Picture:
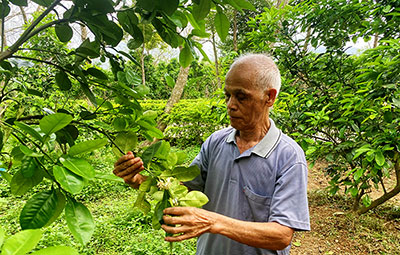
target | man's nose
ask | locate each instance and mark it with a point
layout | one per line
(231, 103)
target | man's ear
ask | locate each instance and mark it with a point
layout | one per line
(270, 96)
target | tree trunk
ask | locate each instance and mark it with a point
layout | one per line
(216, 60)
(3, 36)
(279, 3)
(176, 93)
(142, 66)
(83, 33)
(23, 13)
(307, 40)
(376, 39)
(235, 46)
(390, 194)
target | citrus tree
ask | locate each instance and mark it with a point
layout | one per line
(341, 107)
(57, 104)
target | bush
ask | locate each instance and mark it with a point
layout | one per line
(191, 121)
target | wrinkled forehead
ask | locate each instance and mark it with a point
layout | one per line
(241, 76)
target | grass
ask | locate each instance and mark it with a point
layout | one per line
(123, 229)
(120, 228)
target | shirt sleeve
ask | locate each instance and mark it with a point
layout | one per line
(289, 205)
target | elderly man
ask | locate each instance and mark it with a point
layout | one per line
(254, 175)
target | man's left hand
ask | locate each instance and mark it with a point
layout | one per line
(187, 222)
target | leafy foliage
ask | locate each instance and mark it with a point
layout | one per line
(190, 121)
(340, 107)
(47, 127)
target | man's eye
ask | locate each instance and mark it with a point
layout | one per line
(241, 97)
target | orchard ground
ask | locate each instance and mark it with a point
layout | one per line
(337, 230)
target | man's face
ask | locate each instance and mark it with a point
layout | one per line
(247, 104)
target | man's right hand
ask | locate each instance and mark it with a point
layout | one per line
(128, 167)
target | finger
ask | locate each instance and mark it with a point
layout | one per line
(173, 220)
(130, 170)
(174, 230)
(124, 158)
(180, 237)
(187, 233)
(135, 163)
(177, 211)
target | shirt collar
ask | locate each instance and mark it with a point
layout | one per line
(266, 145)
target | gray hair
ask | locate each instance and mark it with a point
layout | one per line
(267, 73)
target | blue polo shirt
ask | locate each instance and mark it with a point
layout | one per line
(266, 183)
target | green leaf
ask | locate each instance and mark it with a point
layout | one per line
(145, 186)
(20, 185)
(150, 152)
(126, 141)
(163, 150)
(148, 5)
(2, 235)
(20, 2)
(170, 81)
(85, 88)
(103, 6)
(150, 129)
(185, 56)
(142, 203)
(64, 32)
(194, 199)
(108, 177)
(353, 191)
(221, 25)
(242, 4)
(128, 21)
(245, 5)
(97, 73)
(28, 129)
(45, 3)
(79, 166)
(59, 208)
(120, 124)
(6, 176)
(54, 122)
(22, 242)
(201, 10)
(4, 9)
(29, 166)
(361, 150)
(379, 158)
(132, 78)
(30, 153)
(79, 220)
(159, 209)
(366, 200)
(87, 146)
(89, 49)
(178, 191)
(388, 117)
(62, 80)
(68, 180)
(38, 210)
(358, 174)
(56, 250)
(396, 102)
(169, 7)
(185, 174)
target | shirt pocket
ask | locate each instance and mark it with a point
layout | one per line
(257, 207)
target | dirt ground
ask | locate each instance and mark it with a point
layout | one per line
(337, 230)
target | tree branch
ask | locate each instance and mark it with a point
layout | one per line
(27, 33)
